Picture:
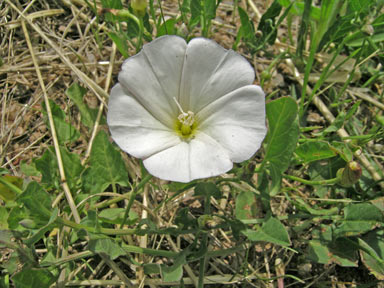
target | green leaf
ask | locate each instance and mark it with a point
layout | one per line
(40, 233)
(167, 28)
(320, 253)
(10, 186)
(37, 201)
(337, 123)
(185, 7)
(267, 24)
(373, 253)
(246, 205)
(33, 278)
(16, 215)
(115, 216)
(282, 136)
(29, 169)
(107, 246)
(76, 93)
(210, 9)
(184, 220)
(151, 268)
(56, 111)
(379, 203)
(72, 167)
(6, 237)
(247, 28)
(358, 5)
(174, 272)
(359, 219)
(272, 231)
(314, 151)
(65, 132)
(121, 43)
(3, 218)
(171, 273)
(195, 8)
(106, 166)
(47, 166)
(207, 188)
(115, 4)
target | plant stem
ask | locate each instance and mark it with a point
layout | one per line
(126, 231)
(118, 199)
(204, 243)
(10, 186)
(133, 196)
(313, 182)
(141, 33)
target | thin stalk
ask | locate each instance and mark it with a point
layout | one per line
(313, 182)
(141, 33)
(133, 196)
(203, 20)
(122, 197)
(204, 243)
(133, 249)
(10, 186)
(117, 232)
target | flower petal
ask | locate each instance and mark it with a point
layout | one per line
(202, 157)
(134, 129)
(153, 75)
(209, 72)
(236, 121)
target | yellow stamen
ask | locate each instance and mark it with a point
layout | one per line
(186, 119)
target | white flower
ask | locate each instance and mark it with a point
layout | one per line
(188, 110)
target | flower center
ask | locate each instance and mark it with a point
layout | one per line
(186, 124)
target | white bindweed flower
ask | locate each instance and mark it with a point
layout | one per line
(188, 110)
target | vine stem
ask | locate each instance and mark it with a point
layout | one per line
(313, 182)
(133, 196)
(204, 243)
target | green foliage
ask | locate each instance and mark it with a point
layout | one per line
(115, 216)
(3, 218)
(372, 252)
(314, 151)
(167, 28)
(121, 41)
(168, 273)
(341, 254)
(65, 131)
(106, 246)
(247, 30)
(246, 205)
(359, 219)
(33, 278)
(202, 12)
(106, 166)
(47, 165)
(267, 29)
(10, 187)
(272, 231)
(282, 137)
(37, 201)
(76, 93)
(207, 190)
